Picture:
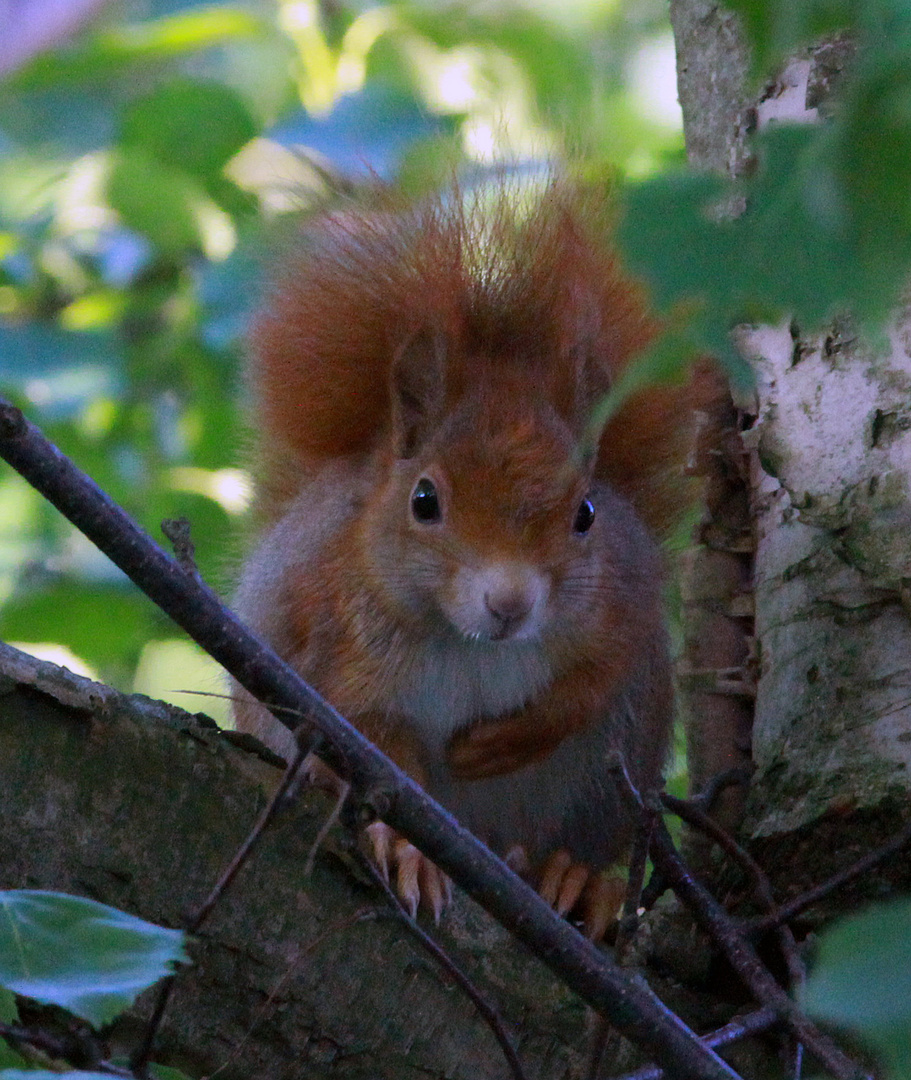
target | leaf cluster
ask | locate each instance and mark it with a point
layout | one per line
(823, 220)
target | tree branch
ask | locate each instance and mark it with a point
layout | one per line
(629, 1005)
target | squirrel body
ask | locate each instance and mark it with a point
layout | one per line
(447, 553)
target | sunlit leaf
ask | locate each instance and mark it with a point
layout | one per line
(105, 625)
(112, 50)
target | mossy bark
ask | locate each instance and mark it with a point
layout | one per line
(141, 806)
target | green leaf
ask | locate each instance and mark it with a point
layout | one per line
(9, 1059)
(156, 200)
(862, 981)
(190, 125)
(109, 52)
(9, 1014)
(106, 624)
(777, 28)
(81, 955)
(166, 1072)
(824, 231)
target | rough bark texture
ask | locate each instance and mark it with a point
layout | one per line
(711, 83)
(139, 805)
(833, 518)
(717, 675)
(829, 458)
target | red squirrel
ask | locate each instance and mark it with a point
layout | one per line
(448, 553)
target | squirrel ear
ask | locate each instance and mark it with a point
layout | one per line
(417, 389)
(587, 392)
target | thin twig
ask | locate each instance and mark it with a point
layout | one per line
(332, 817)
(140, 1059)
(738, 951)
(288, 780)
(632, 1007)
(738, 776)
(487, 1012)
(361, 915)
(741, 955)
(177, 530)
(59, 1048)
(743, 1027)
(792, 908)
(693, 814)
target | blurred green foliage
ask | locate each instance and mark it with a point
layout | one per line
(861, 982)
(826, 228)
(148, 166)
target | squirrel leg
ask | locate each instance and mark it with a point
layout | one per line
(574, 889)
(417, 880)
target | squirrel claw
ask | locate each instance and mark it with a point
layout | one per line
(417, 880)
(571, 887)
(381, 839)
(601, 904)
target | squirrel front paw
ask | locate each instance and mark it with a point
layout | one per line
(418, 881)
(576, 890)
(493, 747)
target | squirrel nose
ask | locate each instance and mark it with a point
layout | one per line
(509, 607)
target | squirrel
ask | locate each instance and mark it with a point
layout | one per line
(449, 552)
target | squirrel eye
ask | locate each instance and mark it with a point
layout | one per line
(585, 516)
(425, 505)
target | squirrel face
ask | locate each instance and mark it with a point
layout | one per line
(487, 596)
(490, 514)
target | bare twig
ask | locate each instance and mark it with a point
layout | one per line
(288, 781)
(739, 776)
(487, 1012)
(743, 1027)
(361, 915)
(177, 530)
(694, 815)
(632, 1007)
(812, 896)
(605, 1036)
(738, 951)
(143, 1054)
(343, 792)
(68, 1048)
(741, 955)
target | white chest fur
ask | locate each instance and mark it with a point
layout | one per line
(452, 682)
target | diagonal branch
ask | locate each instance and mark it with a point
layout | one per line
(629, 1005)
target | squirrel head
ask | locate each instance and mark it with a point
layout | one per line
(485, 514)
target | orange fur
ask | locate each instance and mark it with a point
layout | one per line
(363, 282)
(497, 651)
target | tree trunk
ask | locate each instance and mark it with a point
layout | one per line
(829, 450)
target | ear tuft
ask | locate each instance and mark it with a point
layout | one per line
(417, 390)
